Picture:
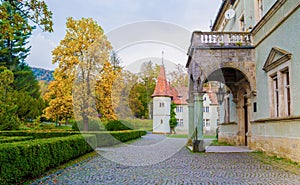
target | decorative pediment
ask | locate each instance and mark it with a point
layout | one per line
(276, 57)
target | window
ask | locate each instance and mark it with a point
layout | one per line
(180, 122)
(275, 95)
(161, 121)
(206, 122)
(281, 94)
(242, 24)
(205, 109)
(161, 104)
(258, 10)
(179, 109)
(287, 92)
(277, 67)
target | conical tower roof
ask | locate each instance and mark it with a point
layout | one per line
(162, 87)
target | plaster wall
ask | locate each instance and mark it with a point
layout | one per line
(185, 116)
(283, 37)
(232, 114)
(161, 114)
(212, 115)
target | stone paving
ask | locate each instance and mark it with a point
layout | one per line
(183, 167)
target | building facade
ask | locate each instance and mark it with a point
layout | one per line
(163, 96)
(253, 50)
(210, 113)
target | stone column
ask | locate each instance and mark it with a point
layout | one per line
(191, 118)
(198, 143)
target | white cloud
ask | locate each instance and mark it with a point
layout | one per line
(40, 55)
(111, 14)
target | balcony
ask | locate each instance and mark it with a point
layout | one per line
(220, 40)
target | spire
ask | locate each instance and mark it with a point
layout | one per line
(162, 58)
(162, 87)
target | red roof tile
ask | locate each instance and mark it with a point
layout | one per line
(180, 95)
(162, 87)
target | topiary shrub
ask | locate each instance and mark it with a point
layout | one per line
(115, 125)
(38, 134)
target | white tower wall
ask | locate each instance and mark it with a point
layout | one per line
(161, 114)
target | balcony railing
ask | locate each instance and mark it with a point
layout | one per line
(221, 39)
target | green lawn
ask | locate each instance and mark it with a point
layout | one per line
(177, 135)
(138, 124)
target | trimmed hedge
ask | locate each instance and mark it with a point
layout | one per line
(116, 137)
(115, 125)
(29, 159)
(9, 139)
(38, 134)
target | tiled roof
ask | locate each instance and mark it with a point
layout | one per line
(211, 92)
(162, 87)
(180, 95)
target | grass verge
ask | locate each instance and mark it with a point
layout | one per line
(177, 136)
(216, 143)
(281, 163)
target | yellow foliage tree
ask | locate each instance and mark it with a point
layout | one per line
(60, 98)
(83, 57)
(107, 93)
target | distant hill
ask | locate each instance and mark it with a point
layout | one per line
(42, 74)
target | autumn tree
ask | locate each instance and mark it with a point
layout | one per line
(140, 97)
(106, 99)
(34, 10)
(59, 98)
(179, 76)
(122, 89)
(82, 56)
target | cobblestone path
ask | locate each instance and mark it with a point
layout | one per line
(183, 167)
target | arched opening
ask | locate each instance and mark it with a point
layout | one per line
(234, 110)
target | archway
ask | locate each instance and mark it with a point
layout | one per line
(235, 128)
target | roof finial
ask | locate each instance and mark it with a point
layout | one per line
(162, 58)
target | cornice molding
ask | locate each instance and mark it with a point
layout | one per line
(268, 16)
(272, 63)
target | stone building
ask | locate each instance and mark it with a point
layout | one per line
(253, 49)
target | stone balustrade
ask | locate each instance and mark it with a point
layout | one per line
(220, 39)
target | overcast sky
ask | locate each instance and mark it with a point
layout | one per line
(179, 18)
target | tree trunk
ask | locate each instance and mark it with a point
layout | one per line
(85, 123)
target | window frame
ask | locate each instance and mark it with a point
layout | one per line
(280, 96)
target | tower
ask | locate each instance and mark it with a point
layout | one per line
(162, 98)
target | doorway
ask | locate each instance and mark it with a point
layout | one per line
(246, 118)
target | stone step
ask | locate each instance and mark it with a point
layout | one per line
(226, 149)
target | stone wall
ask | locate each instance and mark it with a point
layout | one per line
(286, 147)
(228, 133)
(277, 137)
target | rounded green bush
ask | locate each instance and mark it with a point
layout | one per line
(115, 125)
